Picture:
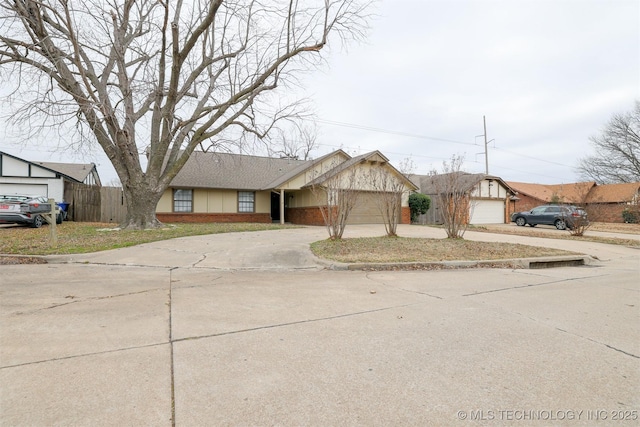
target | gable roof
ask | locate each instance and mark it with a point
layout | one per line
(71, 171)
(371, 156)
(233, 171)
(342, 167)
(77, 171)
(615, 193)
(302, 168)
(429, 184)
(252, 173)
(570, 193)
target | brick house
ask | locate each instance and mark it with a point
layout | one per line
(610, 200)
(224, 187)
(606, 202)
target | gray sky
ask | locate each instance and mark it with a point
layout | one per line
(546, 74)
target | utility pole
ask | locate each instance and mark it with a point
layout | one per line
(486, 147)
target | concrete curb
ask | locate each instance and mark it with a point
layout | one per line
(514, 263)
(521, 263)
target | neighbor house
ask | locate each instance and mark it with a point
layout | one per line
(20, 176)
(488, 196)
(605, 202)
(608, 201)
(224, 187)
(531, 195)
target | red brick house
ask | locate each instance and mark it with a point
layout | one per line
(611, 200)
(606, 201)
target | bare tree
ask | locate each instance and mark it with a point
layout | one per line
(164, 77)
(337, 195)
(617, 157)
(389, 186)
(453, 192)
(297, 143)
(592, 204)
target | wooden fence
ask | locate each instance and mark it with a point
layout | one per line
(434, 214)
(95, 204)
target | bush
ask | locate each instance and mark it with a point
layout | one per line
(630, 217)
(419, 204)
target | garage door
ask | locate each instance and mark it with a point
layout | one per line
(25, 189)
(488, 212)
(366, 210)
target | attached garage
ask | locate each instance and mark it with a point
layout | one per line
(487, 212)
(366, 210)
(488, 195)
(25, 189)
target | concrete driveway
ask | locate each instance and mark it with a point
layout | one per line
(250, 329)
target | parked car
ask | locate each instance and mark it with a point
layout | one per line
(562, 216)
(28, 210)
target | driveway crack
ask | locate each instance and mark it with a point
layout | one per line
(297, 322)
(532, 285)
(599, 343)
(75, 301)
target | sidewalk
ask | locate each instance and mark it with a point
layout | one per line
(234, 330)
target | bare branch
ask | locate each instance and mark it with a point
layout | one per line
(617, 151)
(163, 76)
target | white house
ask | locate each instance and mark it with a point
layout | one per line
(19, 176)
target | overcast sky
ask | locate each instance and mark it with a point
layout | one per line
(546, 74)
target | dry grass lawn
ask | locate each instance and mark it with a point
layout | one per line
(83, 237)
(404, 249)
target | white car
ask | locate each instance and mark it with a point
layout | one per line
(28, 210)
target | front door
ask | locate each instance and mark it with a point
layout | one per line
(275, 207)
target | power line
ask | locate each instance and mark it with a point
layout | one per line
(412, 135)
(392, 132)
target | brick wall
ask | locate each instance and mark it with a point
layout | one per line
(606, 212)
(213, 217)
(406, 215)
(526, 203)
(305, 216)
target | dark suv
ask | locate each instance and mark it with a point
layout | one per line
(562, 216)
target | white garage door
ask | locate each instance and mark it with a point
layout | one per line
(366, 211)
(24, 189)
(488, 212)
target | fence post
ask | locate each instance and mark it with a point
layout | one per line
(53, 234)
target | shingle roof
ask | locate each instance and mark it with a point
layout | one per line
(299, 169)
(569, 193)
(243, 172)
(341, 167)
(77, 171)
(431, 184)
(614, 193)
(233, 171)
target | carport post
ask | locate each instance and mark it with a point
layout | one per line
(282, 206)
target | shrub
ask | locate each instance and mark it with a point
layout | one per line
(419, 204)
(630, 217)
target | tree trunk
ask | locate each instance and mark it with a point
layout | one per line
(141, 201)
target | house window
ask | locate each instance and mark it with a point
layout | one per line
(246, 201)
(183, 200)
